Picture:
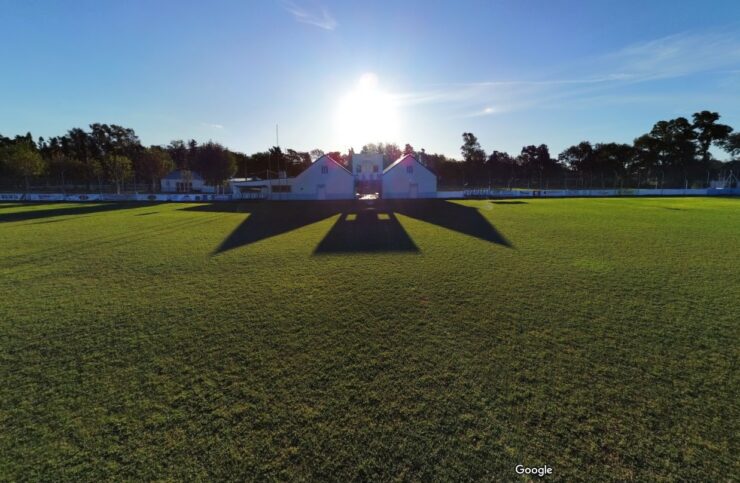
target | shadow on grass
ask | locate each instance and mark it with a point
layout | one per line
(366, 230)
(362, 226)
(268, 219)
(66, 211)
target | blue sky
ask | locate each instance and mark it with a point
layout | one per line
(512, 72)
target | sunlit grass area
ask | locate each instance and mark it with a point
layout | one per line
(413, 340)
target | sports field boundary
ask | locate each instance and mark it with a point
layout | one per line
(449, 195)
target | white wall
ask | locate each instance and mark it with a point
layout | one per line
(371, 166)
(338, 182)
(170, 186)
(397, 180)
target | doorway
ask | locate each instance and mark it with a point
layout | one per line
(413, 190)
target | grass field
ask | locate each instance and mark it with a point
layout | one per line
(418, 341)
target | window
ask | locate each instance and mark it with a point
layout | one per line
(325, 170)
(375, 168)
(409, 169)
(281, 188)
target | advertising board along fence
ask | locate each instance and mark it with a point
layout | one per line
(450, 195)
(496, 193)
(192, 197)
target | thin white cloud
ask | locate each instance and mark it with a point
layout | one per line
(677, 55)
(212, 125)
(480, 90)
(591, 80)
(317, 16)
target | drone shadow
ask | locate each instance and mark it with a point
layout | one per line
(362, 227)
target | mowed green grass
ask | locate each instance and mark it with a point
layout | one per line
(603, 342)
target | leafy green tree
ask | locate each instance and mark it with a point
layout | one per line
(192, 155)
(471, 151)
(242, 164)
(732, 145)
(372, 148)
(112, 139)
(78, 145)
(118, 168)
(296, 161)
(648, 161)
(708, 132)
(61, 165)
(258, 164)
(613, 161)
(315, 154)
(23, 160)
(215, 163)
(675, 148)
(474, 157)
(500, 166)
(153, 164)
(581, 160)
(536, 163)
(347, 158)
(110, 143)
(391, 152)
(178, 151)
(277, 159)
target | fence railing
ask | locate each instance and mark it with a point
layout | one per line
(536, 193)
(469, 194)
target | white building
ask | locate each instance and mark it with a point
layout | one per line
(184, 181)
(326, 179)
(408, 178)
(368, 172)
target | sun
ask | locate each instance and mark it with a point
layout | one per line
(366, 114)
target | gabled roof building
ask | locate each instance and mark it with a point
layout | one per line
(408, 178)
(184, 181)
(327, 179)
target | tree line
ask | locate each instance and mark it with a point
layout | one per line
(111, 157)
(675, 153)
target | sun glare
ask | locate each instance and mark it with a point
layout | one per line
(366, 114)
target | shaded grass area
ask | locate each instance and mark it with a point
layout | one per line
(599, 337)
(362, 226)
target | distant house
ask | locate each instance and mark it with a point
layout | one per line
(184, 181)
(408, 178)
(326, 179)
